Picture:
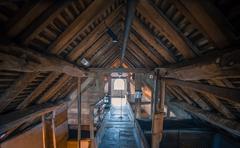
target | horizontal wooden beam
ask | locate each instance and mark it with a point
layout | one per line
(229, 125)
(228, 94)
(218, 65)
(27, 60)
(13, 119)
(110, 70)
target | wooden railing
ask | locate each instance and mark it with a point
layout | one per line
(99, 110)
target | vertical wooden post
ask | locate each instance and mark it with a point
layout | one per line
(92, 127)
(79, 111)
(138, 97)
(152, 102)
(53, 130)
(128, 89)
(44, 131)
(158, 111)
(110, 88)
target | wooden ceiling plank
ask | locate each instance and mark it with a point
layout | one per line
(181, 95)
(96, 48)
(29, 60)
(210, 24)
(131, 61)
(143, 47)
(94, 35)
(98, 45)
(156, 18)
(92, 12)
(40, 88)
(141, 53)
(139, 57)
(195, 97)
(134, 56)
(12, 92)
(52, 91)
(229, 125)
(212, 66)
(109, 62)
(215, 102)
(106, 56)
(13, 119)
(129, 65)
(42, 21)
(101, 52)
(221, 92)
(141, 30)
(179, 5)
(26, 15)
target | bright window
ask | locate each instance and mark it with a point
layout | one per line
(118, 84)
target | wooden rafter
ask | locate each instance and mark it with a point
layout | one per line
(12, 92)
(26, 15)
(157, 19)
(144, 61)
(229, 125)
(132, 55)
(141, 30)
(42, 21)
(33, 61)
(209, 22)
(218, 65)
(13, 119)
(135, 40)
(141, 54)
(38, 90)
(221, 92)
(92, 12)
(95, 34)
(52, 91)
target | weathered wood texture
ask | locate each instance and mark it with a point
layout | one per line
(13, 119)
(218, 65)
(27, 60)
(221, 92)
(219, 121)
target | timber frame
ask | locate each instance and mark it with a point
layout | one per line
(195, 51)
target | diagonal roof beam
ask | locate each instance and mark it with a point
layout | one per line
(157, 19)
(36, 92)
(26, 15)
(92, 12)
(29, 60)
(228, 94)
(135, 40)
(12, 92)
(95, 34)
(142, 31)
(227, 124)
(212, 66)
(209, 19)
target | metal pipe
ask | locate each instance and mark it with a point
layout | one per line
(131, 6)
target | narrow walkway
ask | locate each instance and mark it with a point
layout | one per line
(118, 132)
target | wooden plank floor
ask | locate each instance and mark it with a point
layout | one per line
(118, 132)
